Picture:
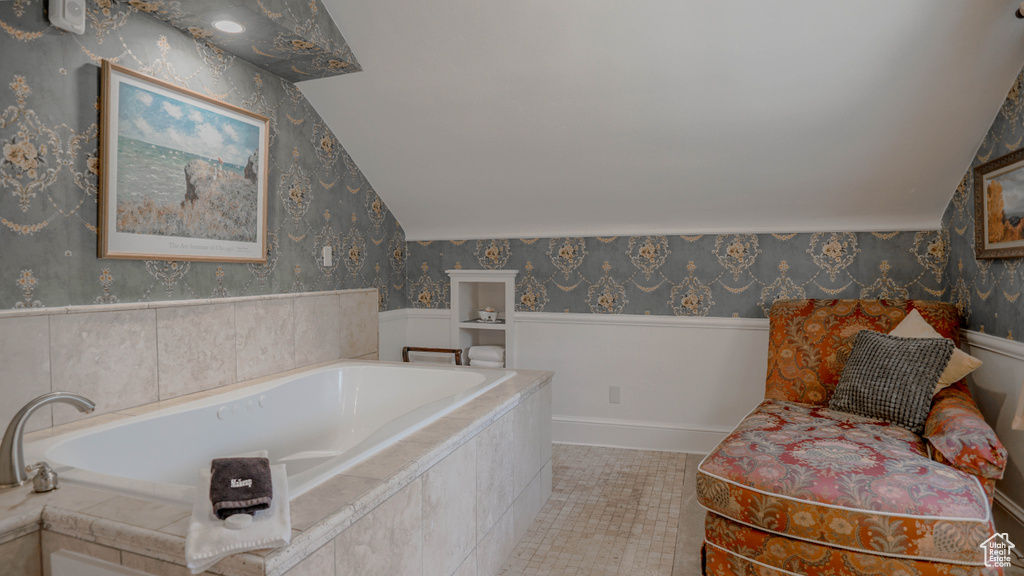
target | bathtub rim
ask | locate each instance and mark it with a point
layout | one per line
(144, 409)
(35, 448)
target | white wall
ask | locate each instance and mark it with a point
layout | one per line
(412, 327)
(684, 382)
(996, 386)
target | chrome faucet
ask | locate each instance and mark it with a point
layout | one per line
(12, 458)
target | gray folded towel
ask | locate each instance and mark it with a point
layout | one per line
(240, 486)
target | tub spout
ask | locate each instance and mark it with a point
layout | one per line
(12, 458)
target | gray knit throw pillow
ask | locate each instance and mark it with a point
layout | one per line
(892, 378)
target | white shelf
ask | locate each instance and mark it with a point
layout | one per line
(474, 290)
(481, 326)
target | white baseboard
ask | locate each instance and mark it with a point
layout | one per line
(1013, 509)
(637, 435)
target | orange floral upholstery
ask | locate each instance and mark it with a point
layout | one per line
(824, 476)
(810, 340)
(961, 437)
(798, 488)
(734, 549)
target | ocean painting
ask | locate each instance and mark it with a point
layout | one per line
(184, 170)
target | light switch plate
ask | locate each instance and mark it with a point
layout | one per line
(328, 255)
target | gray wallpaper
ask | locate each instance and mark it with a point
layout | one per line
(988, 292)
(297, 40)
(49, 88)
(49, 101)
(710, 275)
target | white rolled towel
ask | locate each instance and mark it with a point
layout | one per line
(487, 353)
(208, 539)
(486, 364)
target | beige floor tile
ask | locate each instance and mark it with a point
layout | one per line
(614, 511)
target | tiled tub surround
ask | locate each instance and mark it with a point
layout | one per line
(127, 355)
(452, 498)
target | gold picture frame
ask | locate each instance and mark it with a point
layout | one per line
(183, 176)
(999, 207)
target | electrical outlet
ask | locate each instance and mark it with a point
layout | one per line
(328, 256)
(614, 395)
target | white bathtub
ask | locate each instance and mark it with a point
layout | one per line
(318, 423)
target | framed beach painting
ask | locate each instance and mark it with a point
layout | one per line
(999, 207)
(182, 176)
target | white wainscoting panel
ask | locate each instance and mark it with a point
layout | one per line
(996, 386)
(413, 327)
(684, 383)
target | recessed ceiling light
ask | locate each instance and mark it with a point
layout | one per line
(229, 26)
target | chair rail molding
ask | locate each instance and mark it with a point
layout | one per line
(1004, 346)
(718, 322)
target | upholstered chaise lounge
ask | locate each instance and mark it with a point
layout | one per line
(799, 488)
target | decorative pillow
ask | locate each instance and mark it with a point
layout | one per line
(958, 431)
(960, 365)
(891, 378)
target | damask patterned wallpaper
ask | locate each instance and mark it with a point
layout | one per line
(988, 292)
(724, 275)
(49, 102)
(49, 135)
(741, 274)
(296, 40)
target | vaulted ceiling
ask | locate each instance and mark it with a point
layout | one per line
(535, 118)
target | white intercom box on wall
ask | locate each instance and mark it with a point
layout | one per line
(67, 15)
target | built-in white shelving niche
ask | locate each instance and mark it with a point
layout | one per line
(474, 290)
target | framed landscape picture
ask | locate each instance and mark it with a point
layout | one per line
(999, 207)
(182, 175)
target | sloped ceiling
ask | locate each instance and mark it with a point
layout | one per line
(533, 118)
(294, 39)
